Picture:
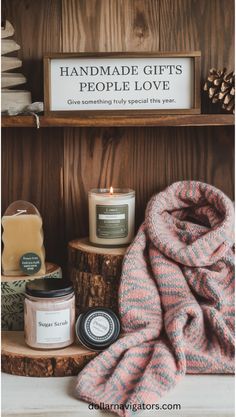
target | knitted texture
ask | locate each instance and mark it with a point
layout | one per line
(176, 300)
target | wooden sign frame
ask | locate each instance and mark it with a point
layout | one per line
(196, 68)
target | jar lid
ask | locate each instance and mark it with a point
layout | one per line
(48, 288)
(97, 328)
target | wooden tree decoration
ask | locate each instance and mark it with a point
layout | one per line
(220, 86)
(13, 101)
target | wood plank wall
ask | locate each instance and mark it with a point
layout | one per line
(54, 168)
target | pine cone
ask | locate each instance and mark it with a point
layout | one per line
(221, 88)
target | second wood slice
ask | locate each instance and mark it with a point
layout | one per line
(19, 359)
(95, 273)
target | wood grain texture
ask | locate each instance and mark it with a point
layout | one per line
(18, 359)
(200, 25)
(95, 274)
(93, 158)
(144, 159)
(37, 27)
(55, 168)
(31, 170)
(110, 25)
(105, 120)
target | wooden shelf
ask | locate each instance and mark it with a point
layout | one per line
(129, 120)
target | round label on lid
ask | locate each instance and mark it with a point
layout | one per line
(97, 328)
(30, 263)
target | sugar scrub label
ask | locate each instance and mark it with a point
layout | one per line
(53, 326)
(30, 263)
(112, 221)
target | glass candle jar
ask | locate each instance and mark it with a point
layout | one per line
(111, 216)
(49, 313)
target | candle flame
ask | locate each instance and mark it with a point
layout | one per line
(111, 190)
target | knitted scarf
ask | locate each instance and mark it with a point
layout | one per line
(176, 301)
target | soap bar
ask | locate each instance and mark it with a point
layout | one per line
(22, 235)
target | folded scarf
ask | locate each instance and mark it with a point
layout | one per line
(176, 300)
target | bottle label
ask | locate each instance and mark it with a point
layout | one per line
(53, 326)
(112, 221)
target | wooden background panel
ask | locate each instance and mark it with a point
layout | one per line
(99, 157)
(145, 159)
(32, 164)
(203, 154)
(55, 168)
(205, 25)
(93, 158)
(110, 25)
(37, 26)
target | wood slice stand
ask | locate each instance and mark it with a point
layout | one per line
(19, 359)
(95, 273)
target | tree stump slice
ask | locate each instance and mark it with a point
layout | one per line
(13, 295)
(19, 359)
(95, 273)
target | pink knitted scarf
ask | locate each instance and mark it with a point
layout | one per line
(176, 300)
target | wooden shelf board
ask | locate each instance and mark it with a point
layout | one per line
(118, 120)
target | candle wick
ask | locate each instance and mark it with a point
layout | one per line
(19, 212)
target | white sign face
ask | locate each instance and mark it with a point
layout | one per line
(128, 83)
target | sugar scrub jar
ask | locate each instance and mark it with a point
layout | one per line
(49, 313)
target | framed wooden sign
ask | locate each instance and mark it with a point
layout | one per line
(122, 82)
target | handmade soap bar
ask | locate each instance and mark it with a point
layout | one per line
(23, 251)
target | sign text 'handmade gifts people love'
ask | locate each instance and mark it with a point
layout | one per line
(116, 82)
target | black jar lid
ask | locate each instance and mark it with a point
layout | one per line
(97, 328)
(48, 288)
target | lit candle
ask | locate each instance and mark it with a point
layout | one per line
(111, 216)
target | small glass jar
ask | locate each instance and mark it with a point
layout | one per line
(49, 313)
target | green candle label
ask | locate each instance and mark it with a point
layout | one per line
(30, 263)
(112, 221)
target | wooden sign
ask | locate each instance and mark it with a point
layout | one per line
(120, 82)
